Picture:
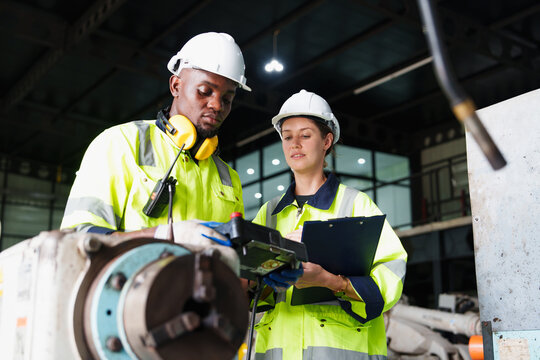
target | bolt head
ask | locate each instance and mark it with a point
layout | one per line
(118, 281)
(113, 344)
(91, 244)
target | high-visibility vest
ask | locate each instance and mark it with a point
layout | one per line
(342, 328)
(120, 169)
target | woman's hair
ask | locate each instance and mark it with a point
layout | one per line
(325, 130)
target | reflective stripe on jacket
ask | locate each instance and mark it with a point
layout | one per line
(343, 328)
(120, 169)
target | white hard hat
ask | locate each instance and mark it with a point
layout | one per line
(308, 104)
(213, 52)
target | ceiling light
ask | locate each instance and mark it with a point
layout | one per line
(250, 171)
(275, 162)
(281, 187)
(258, 195)
(361, 161)
(274, 64)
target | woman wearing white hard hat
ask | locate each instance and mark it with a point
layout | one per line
(350, 325)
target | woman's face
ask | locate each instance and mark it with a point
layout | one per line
(303, 145)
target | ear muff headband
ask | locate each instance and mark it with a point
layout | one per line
(182, 131)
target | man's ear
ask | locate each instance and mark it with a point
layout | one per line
(174, 85)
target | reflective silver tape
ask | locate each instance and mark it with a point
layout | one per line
(398, 267)
(95, 206)
(281, 297)
(271, 354)
(146, 150)
(323, 352)
(271, 221)
(347, 202)
(84, 227)
(223, 171)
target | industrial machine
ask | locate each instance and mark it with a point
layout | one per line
(67, 295)
(416, 333)
(505, 207)
(505, 192)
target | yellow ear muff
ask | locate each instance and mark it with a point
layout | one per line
(184, 131)
(207, 148)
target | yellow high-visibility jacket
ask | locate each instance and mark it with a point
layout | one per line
(120, 169)
(342, 328)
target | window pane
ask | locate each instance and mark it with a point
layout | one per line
(275, 186)
(395, 202)
(248, 167)
(24, 220)
(391, 167)
(252, 201)
(359, 184)
(58, 214)
(273, 159)
(353, 161)
(61, 195)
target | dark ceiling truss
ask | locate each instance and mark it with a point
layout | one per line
(292, 16)
(96, 14)
(336, 50)
(107, 76)
(513, 51)
(494, 41)
(476, 38)
(485, 40)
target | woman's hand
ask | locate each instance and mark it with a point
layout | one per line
(296, 235)
(314, 275)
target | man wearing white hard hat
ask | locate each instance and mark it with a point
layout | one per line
(143, 173)
(346, 322)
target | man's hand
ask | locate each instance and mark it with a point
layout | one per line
(281, 280)
(198, 236)
(193, 232)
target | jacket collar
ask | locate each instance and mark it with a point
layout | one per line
(323, 198)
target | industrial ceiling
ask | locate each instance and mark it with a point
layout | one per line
(70, 69)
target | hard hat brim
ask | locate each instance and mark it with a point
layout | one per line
(278, 118)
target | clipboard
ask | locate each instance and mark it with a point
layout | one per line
(344, 246)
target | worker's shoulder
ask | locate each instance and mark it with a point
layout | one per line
(129, 129)
(352, 192)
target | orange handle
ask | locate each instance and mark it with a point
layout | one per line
(476, 347)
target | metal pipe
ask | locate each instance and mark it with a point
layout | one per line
(393, 75)
(462, 105)
(466, 324)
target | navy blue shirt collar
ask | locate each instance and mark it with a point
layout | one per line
(323, 198)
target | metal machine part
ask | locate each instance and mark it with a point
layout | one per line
(213, 319)
(467, 324)
(462, 105)
(506, 227)
(416, 333)
(111, 298)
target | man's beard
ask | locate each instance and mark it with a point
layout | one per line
(206, 133)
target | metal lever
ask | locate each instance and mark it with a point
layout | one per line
(462, 105)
